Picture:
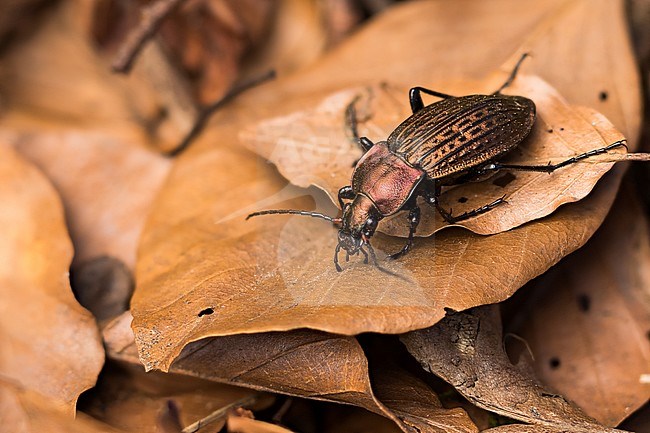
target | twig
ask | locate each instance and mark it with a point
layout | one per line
(206, 112)
(220, 413)
(152, 16)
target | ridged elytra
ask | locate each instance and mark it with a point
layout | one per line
(448, 142)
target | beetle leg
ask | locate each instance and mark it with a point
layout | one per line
(336, 258)
(414, 220)
(431, 196)
(513, 74)
(352, 123)
(472, 213)
(345, 193)
(549, 168)
(365, 255)
(416, 98)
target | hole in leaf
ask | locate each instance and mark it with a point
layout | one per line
(549, 130)
(584, 303)
(504, 180)
(462, 200)
(561, 129)
(206, 312)
(603, 95)
(554, 363)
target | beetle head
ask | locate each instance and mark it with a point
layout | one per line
(359, 222)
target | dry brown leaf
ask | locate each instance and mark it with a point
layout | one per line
(586, 321)
(16, 16)
(50, 344)
(210, 39)
(25, 411)
(241, 424)
(466, 350)
(107, 182)
(639, 421)
(286, 267)
(301, 363)
(130, 400)
(313, 147)
(306, 364)
(198, 255)
(416, 405)
(67, 114)
(524, 428)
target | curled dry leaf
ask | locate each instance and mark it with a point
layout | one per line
(586, 321)
(416, 405)
(314, 147)
(50, 344)
(25, 411)
(466, 350)
(203, 271)
(306, 364)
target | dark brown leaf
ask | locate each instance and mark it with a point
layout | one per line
(466, 350)
(586, 321)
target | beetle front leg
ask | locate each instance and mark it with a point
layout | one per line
(345, 193)
(414, 220)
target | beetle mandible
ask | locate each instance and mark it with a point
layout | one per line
(448, 142)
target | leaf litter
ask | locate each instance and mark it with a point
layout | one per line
(280, 256)
(285, 264)
(465, 349)
(586, 320)
(306, 364)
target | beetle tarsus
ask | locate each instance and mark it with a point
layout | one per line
(549, 168)
(469, 214)
(336, 258)
(365, 256)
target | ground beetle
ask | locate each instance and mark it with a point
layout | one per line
(449, 142)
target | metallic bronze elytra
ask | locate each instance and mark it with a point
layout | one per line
(449, 142)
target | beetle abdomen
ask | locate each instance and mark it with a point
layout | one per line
(454, 134)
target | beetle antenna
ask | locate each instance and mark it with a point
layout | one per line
(296, 212)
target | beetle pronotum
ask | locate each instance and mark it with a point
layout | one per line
(448, 142)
